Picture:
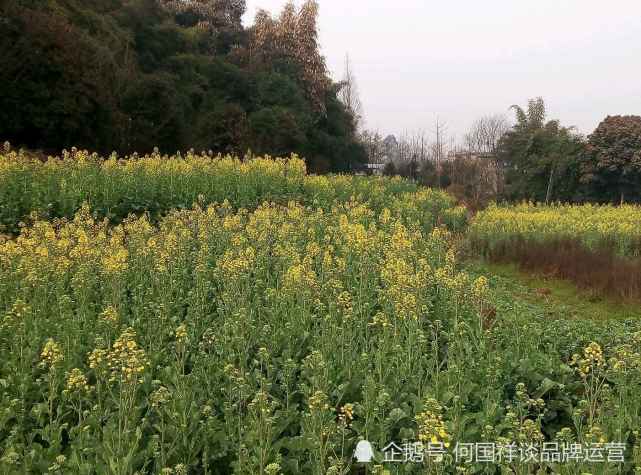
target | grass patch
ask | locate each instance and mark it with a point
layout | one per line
(598, 271)
(555, 298)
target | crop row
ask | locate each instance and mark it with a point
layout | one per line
(596, 227)
(115, 188)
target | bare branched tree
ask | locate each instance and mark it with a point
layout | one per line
(374, 146)
(349, 96)
(485, 134)
(439, 148)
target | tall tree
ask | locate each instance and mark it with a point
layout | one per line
(292, 39)
(486, 133)
(314, 70)
(611, 164)
(374, 146)
(439, 148)
(349, 94)
(539, 158)
(531, 118)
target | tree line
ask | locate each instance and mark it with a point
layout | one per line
(532, 159)
(132, 75)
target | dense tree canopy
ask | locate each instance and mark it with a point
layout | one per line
(544, 161)
(131, 75)
(611, 164)
(539, 158)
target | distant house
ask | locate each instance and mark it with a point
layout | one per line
(380, 153)
(466, 154)
(375, 168)
(370, 169)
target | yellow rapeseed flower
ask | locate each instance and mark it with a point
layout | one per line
(76, 382)
(51, 354)
(126, 360)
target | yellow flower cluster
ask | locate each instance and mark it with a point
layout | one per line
(346, 414)
(77, 382)
(405, 283)
(126, 360)
(262, 404)
(16, 314)
(380, 320)
(318, 401)
(181, 333)
(116, 261)
(522, 429)
(154, 165)
(97, 359)
(51, 354)
(46, 250)
(626, 359)
(592, 225)
(591, 360)
(480, 288)
(524, 398)
(110, 315)
(236, 263)
(529, 431)
(300, 278)
(295, 251)
(431, 427)
(595, 435)
(160, 397)
(180, 469)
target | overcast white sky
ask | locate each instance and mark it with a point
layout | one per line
(459, 59)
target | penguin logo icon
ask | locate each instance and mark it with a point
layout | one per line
(364, 452)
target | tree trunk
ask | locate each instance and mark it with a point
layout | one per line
(549, 193)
